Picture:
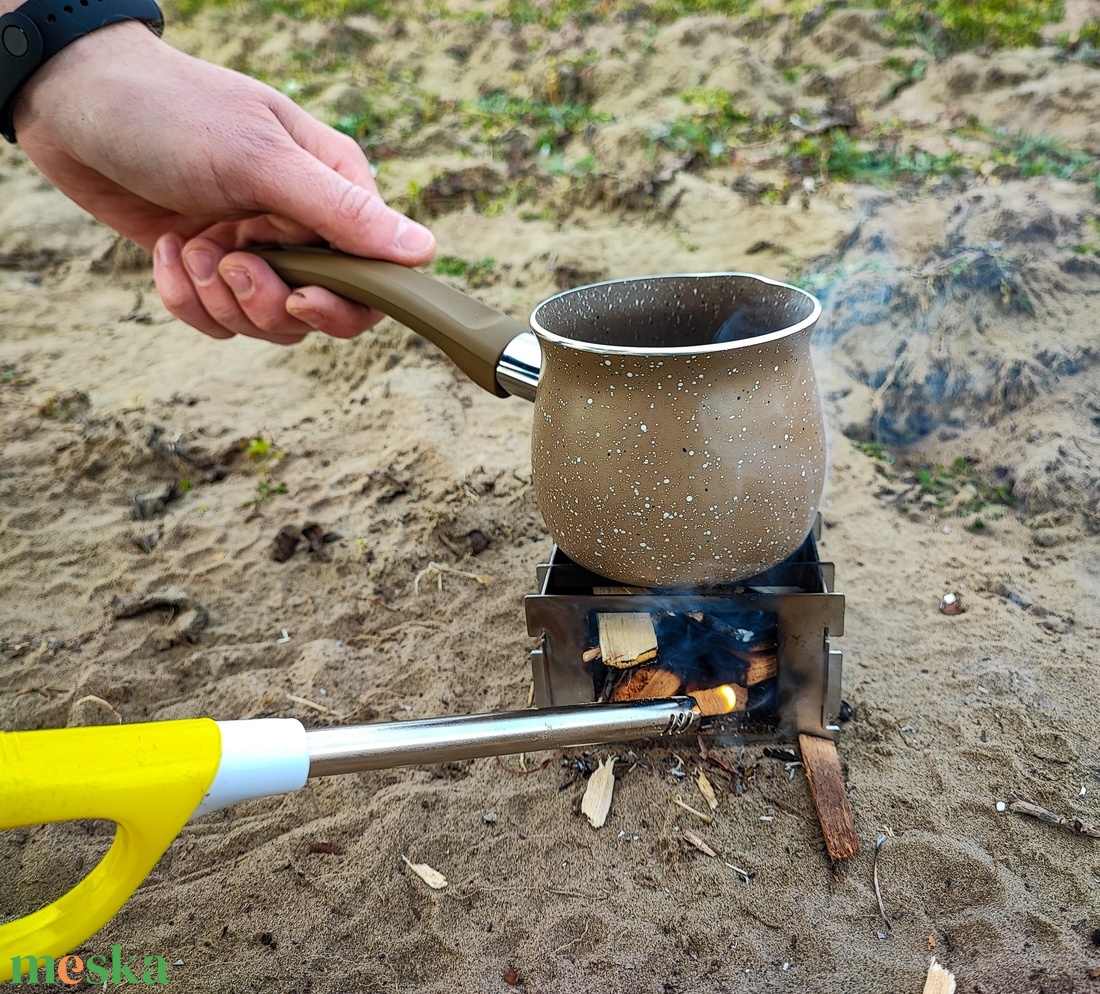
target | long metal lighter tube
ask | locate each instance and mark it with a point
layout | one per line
(440, 740)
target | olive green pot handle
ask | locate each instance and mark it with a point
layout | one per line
(473, 335)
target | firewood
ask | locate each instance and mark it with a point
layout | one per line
(720, 700)
(591, 655)
(645, 682)
(626, 639)
(759, 666)
(819, 756)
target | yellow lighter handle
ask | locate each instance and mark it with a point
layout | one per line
(148, 778)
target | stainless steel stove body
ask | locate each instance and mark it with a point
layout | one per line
(795, 598)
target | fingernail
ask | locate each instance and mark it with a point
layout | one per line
(200, 265)
(239, 281)
(413, 238)
(304, 313)
(168, 251)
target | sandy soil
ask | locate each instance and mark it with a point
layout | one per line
(959, 324)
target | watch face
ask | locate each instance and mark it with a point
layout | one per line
(14, 40)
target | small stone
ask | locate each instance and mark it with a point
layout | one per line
(951, 604)
(490, 817)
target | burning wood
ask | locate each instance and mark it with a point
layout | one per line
(759, 666)
(645, 682)
(642, 655)
(721, 700)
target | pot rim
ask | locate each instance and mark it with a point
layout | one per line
(629, 350)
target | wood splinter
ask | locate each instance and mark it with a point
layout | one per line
(939, 980)
(819, 756)
(626, 639)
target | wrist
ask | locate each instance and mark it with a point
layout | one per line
(47, 98)
(40, 35)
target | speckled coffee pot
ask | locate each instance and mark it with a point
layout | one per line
(678, 435)
(662, 457)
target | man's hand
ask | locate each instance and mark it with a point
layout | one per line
(196, 163)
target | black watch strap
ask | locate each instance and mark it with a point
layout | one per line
(37, 31)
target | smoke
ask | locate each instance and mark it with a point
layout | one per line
(957, 314)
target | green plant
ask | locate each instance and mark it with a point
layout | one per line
(835, 156)
(554, 14)
(497, 113)
(265, 490)
(876, 450)
(1089, 247)
(263, 455)
(557, 166)
(945, 26)
(475, 273)
(960, 487)
(671, 10)
(302, 10)
(258, 449)
(713, 124)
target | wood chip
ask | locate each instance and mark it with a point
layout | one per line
(707, 790)
(692, 839)
(596, 802)
(701, 815)
(432, 877)
(830, 795)
(646, 682)
(939, 980)
(626, 639)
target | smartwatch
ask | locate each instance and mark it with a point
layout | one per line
(37, 31)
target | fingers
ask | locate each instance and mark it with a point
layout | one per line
(225, 294)
(177, 291)
(325, 311)
(327, 187)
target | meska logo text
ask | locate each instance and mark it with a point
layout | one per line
(71, 970)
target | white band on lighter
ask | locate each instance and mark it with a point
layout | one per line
(260, 757)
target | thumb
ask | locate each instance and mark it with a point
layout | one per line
(322, 181)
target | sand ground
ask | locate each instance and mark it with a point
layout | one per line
(959, 324)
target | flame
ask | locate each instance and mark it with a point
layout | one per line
(720, 700)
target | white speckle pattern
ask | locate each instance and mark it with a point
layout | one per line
(722, 478)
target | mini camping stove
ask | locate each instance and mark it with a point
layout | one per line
(791, 607)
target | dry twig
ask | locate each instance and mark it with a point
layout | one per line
(1022, 807)
(701, 815)
(438, 569)
(305, 702)
(874, 876)
(692, 839)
